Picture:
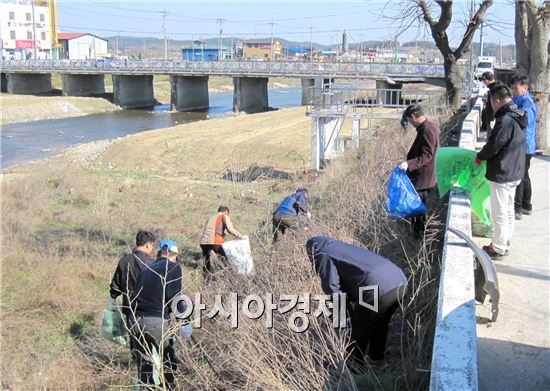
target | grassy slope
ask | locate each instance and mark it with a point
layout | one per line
(75, 221)
(68, 219)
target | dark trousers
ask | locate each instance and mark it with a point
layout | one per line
(522, 199)
(282, 223)
(208, 266)
(419, 222)
(369, 329)
(152, 332)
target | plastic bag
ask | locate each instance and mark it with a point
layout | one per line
(403, 200)
(113, 326)
(455, 167)
(239, 256)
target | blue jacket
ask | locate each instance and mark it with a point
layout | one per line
(526, 103)
(344, 267)
(293, 204)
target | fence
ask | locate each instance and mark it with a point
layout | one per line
(260, 68)
(454, 360)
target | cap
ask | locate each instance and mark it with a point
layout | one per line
(487, 76)
(170, 244)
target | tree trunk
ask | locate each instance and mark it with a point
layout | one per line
(453, 77)
(533, 60)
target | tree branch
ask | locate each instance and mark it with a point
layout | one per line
(472, 27)
(426, 13)
(446, 15)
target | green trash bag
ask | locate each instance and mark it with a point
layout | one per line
(113, 326)
(456, 166)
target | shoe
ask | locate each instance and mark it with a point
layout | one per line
(519, 216)
(526, 212)
(492, 253)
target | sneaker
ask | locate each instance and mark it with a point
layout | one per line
(526, 212)
(492, 253)
(519, 216)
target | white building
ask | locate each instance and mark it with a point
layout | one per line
(82, 46)
(19, 38)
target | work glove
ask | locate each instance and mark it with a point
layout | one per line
(186, 330)
(404, 166)
(245, 237)
(308, 214)
(477, 161)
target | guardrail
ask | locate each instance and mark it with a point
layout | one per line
(260, 68)
(339, 99)
(454, 359)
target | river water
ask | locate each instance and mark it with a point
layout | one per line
(39, 139)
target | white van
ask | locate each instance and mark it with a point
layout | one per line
(484, 64)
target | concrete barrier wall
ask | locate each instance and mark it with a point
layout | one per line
(454, 360)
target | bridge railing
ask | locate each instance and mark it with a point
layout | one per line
(338, 99)
(289, 68)
(454, 358)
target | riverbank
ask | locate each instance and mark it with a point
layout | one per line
(67, 219)
(26, 108)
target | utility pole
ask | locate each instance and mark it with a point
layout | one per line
(481, 39)
(118, 43)
(33, 32)
(361, 48)
(271, 56)
(220, 22)
(499, 51)
(164, 33)
(310, 44)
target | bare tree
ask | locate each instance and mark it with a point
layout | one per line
(423, 10)
(533, 58)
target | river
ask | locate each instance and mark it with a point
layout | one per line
(26, 141)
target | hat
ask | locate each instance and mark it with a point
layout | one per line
(487, 76)
(170, 244)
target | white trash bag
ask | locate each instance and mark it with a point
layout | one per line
(239, 256)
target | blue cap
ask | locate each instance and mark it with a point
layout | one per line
(172, 246)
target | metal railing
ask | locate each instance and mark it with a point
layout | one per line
(340, 100)
(260, 68)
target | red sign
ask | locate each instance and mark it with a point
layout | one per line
(24, 44)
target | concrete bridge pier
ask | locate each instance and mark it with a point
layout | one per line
(387, 98)
(28, 83)
(133, 91)
(83, 85)
(3, 83)
(189, 93)
(250, 94)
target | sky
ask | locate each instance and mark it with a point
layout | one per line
(321, 21)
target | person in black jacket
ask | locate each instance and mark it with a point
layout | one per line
(487, 114)
(127, 272)
(505, 156)
(420, 163)
(158, 284)
(345, 268)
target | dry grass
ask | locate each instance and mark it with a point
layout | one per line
(64, 227)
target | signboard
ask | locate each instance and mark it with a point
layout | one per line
(24, 44)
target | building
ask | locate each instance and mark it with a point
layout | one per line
(261, 50)
(205, 54)
(82, 46)
(27, 31)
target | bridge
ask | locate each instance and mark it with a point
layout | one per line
(133, 80)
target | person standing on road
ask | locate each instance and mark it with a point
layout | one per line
(487, 114)
(523, 100)
(286, 215)
(213, 237)
(349, 269)
(127, 273)
(420, 163)
(504, 153)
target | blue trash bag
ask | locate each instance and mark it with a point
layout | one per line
(403, 200)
